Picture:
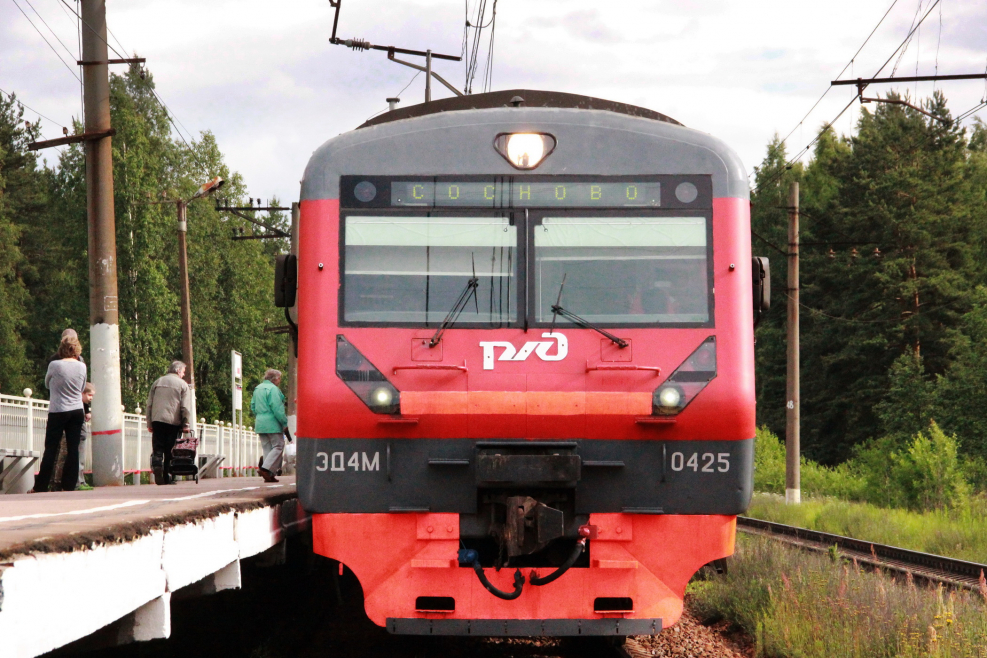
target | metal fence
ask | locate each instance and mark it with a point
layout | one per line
(23, 421)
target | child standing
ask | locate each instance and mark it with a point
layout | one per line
(87, 399)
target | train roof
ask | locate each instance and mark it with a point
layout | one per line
(595, 137)
(509, 98)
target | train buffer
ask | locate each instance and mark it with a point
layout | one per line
(101, 566)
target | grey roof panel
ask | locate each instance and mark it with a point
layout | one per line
(508, 98)
(593, 142)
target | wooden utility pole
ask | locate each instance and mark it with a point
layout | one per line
(793, 491)
(104, 336)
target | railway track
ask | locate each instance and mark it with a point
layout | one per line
(933, 568)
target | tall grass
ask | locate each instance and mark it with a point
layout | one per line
(960, 533)
(801, 604)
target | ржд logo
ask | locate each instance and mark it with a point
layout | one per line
(539, 347)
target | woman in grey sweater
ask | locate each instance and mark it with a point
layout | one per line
(66, 379)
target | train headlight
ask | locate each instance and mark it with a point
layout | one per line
(382, 397)
(364, 379)
(524, 150)
(688, 380)
(669, 397)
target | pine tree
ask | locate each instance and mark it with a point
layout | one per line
(895, 202)
(21, 196)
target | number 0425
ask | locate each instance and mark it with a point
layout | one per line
(705, 462)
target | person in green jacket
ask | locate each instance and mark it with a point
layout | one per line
(267, 405)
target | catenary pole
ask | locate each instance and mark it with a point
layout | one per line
(186, 312)
(793, 491)
(428, 76)
(104, 331)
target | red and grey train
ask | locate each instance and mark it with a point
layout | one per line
(525, 398)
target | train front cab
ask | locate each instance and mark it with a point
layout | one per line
(540, 378)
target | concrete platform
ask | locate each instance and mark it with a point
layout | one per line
(73, 563)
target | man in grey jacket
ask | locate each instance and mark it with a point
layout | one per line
(169, 412)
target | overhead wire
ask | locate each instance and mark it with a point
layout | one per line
(938, 43)
(973, 110)
(908, 39)
(53, 33)
(848, 65)
(94, 30)
(473, 50)
(819, 135)
(28, 107)
(905, 41)
(398, 95)
(41, 34)
(77, 27)
(67, 15)
(168, 113)
(488, 68)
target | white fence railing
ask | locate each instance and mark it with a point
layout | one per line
(23, 421)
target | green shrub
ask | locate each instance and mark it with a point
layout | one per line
(925, 473)
(929, 473)
(769, 462)
(769, 471)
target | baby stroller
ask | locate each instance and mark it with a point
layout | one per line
(183, 456)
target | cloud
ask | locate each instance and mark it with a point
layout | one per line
(588, 26)
(263, 77)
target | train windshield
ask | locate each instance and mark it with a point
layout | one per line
(623, 270)
(412, 270)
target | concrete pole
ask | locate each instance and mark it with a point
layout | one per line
(793, 487)
(428, 76)
(186, 305)
(104, 330)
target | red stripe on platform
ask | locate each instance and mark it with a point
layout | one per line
(107, 432)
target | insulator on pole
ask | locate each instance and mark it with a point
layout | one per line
(357, 44)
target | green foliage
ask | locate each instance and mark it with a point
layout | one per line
(923, 472)
(914, 188)
(44, 262)
(769, 462)
(963, 386)
(928, 473)
(769, 471)
(20, 195)
(796, 603)
(908, 405)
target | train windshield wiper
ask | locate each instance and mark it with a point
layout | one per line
(557, 310)
(457, 308)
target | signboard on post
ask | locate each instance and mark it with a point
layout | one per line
(236, 372)
(237, 368)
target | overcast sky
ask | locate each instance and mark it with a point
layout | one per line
(263, 78)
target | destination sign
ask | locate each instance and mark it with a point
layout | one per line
(501, 193)
(664, 191)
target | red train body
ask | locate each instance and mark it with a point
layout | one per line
(559, 425)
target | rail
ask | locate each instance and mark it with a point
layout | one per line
(23, 421)
(935, 568)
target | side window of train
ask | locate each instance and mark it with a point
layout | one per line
(761, 272)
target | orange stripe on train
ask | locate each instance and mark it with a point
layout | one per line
(531, 403)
